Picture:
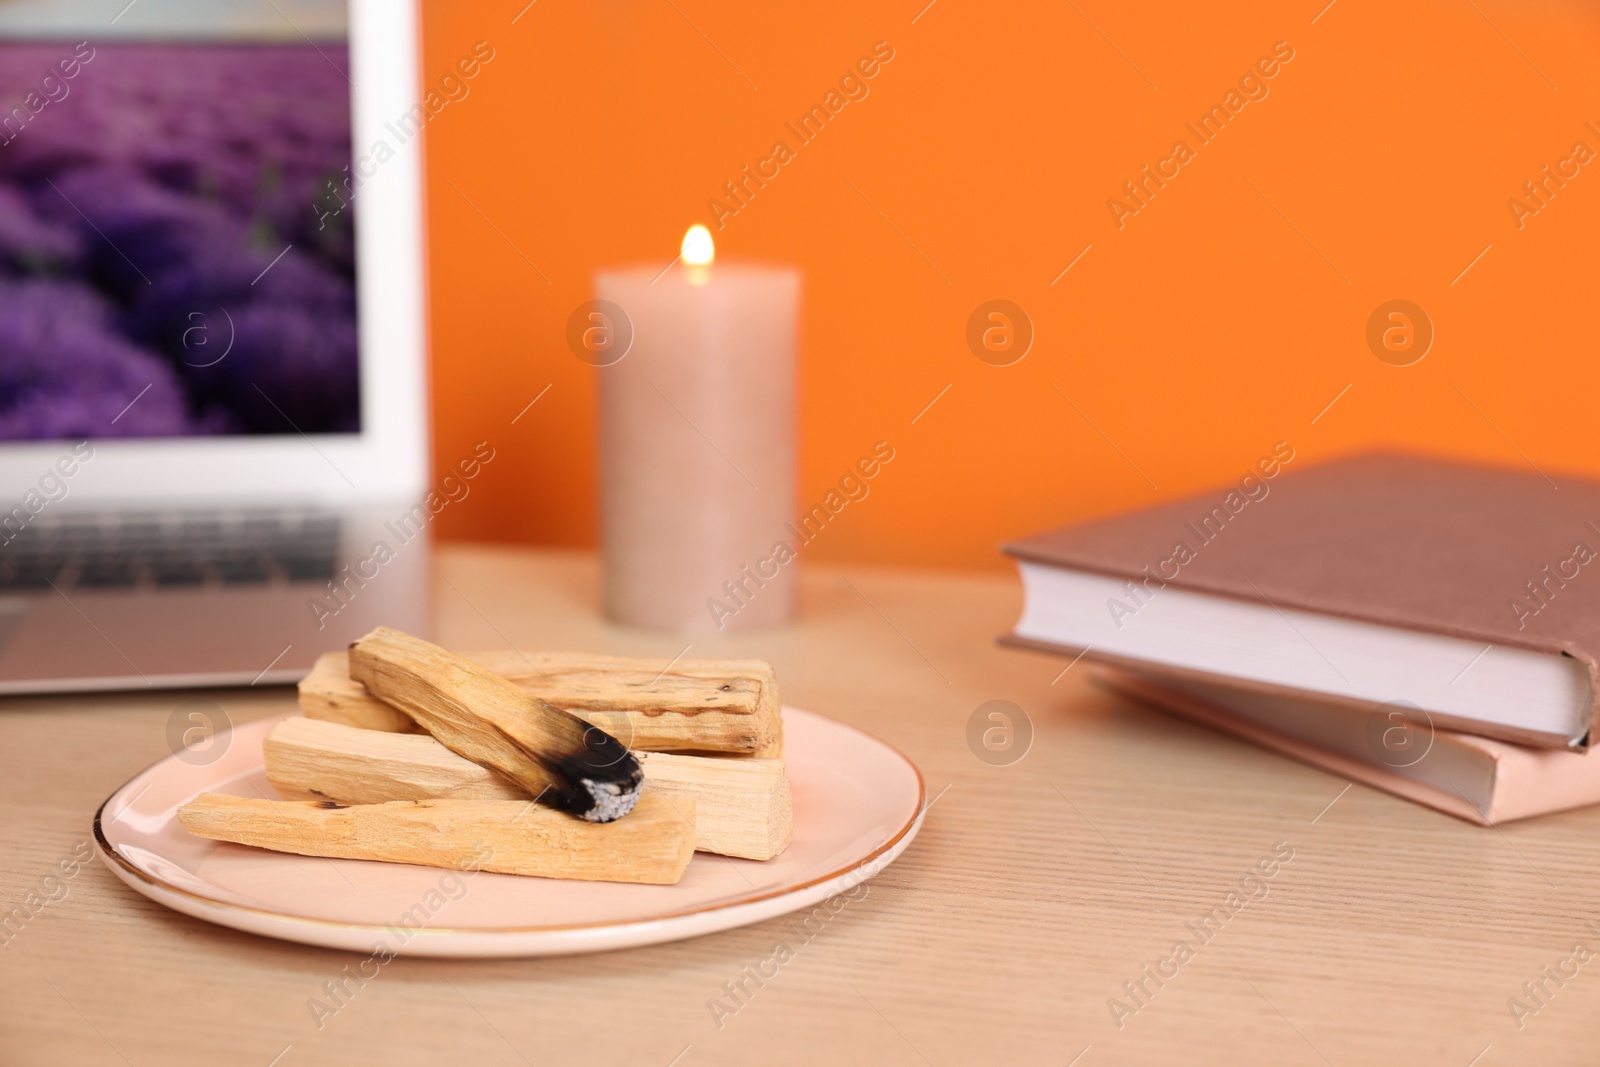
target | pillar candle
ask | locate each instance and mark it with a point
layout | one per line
(697, 443)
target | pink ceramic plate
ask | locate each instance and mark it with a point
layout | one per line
(857, 805)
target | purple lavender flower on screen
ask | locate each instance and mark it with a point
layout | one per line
(159, 189)
(287, 327)
(290, 369)
(29, 244)
(134, 230)
(234, 276)
(64, 373)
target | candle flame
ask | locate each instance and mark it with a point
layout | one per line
(698, 249)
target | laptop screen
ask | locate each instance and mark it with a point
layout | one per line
(177, 219)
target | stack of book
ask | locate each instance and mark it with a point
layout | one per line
(1425, 627)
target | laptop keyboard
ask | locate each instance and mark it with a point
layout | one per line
(192, 549)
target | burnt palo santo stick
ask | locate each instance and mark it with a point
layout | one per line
(742, 806)
(652, 705)
(507, 836)
(558, 758)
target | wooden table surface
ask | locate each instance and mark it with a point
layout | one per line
(1036, 889)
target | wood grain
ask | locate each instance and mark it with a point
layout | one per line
(559, 759)
(682, 705)
(1036, 888)
(742, 805)
(651, 846)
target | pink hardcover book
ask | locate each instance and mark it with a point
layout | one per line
(1469, 592)
(1391, 747)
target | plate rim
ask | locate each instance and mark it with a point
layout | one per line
(129, 873)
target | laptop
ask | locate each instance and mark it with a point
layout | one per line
(213, 438)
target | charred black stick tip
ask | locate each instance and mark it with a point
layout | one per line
(599, 783)
(592, 799)
(602, 750)
(599, 789)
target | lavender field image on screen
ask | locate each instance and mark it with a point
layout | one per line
(176, 241)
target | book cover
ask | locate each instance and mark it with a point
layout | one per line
(1478, 779)
(1500, 557)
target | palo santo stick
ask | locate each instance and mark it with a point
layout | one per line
(650, 705)
(327, 692)
(558, 758)
(509, 836)
(742, 806)
(308, 759)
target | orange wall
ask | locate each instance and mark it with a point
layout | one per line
(1211, 325)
